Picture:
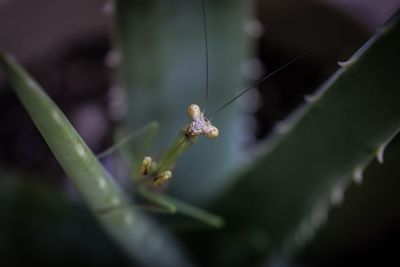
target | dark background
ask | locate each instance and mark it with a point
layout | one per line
(66, 45)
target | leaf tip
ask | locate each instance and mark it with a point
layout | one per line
(380, 153)
(281, 127)
(381, 148)
(311, 98)
(346, 63)
(358, 174)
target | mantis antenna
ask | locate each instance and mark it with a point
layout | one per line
(269, 75)
(266, 77)
(203, 5)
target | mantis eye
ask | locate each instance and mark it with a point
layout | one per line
(194, 111)
(213, 132)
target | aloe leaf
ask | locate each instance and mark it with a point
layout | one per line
(140, 237)
(366, 223)
(35, 217)
(311, 158)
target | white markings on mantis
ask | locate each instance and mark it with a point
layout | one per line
(200, 125)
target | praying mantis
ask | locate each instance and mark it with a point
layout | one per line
(199, 125)
(159, 173)
(151, 174)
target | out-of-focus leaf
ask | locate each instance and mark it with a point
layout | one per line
(276, 205)
(42, 225)
(366, 223)
(140, 237)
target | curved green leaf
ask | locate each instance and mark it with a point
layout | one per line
(365, 224)
(276, 204)
(141, 238)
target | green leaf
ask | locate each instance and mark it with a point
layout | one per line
(36, 225)
(307, 164)
(140, 237)
(366, 223)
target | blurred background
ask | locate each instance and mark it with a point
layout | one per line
(68, 46)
